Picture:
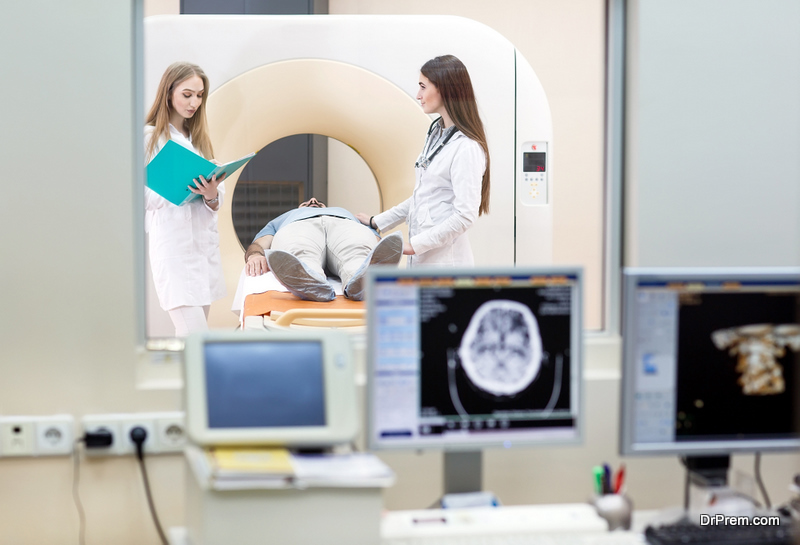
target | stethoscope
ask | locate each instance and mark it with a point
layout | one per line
(426, 161)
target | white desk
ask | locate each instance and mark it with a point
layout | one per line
(573, 524)
(577, 524)
(346, 514)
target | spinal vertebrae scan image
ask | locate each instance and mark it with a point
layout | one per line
(501, 350)
(758, 347)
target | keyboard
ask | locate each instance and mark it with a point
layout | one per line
(558, 524)
(684, 533)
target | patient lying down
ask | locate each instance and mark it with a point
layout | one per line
(297, 247)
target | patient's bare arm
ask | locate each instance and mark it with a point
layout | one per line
(255, 262)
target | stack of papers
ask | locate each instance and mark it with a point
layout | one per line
(341, 470)
(232, 469)
(259, 468)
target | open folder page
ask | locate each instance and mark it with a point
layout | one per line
(174, 168)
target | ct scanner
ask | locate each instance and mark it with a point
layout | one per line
(354, 78)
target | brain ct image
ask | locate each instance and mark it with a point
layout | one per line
(501, 350)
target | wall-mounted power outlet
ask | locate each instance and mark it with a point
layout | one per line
(171, 432)
(36, 435)
(166, 432)
(139, 421)
(98, 423)
(55, 435)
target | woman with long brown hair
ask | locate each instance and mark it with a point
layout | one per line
(183, 240)
(452, 187)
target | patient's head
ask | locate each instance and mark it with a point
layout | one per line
(313, 203)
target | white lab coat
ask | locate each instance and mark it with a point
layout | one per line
(443, 206)
(183, 243)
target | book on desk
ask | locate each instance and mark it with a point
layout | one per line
(265, 468)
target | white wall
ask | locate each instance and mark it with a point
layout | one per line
(713, 170)
(67, 325)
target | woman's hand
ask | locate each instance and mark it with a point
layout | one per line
(225, 174)
(207, 189)
(408, 249)
(363, 218)
(256, 265)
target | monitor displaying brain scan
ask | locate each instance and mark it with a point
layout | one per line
(474, 358)
(711, 361)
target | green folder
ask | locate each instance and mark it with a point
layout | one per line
(172, 170)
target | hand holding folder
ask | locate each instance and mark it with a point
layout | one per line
(172, 170)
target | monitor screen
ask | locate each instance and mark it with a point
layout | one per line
(710, 361)
(287, 388)
(257, 384)
(472, 358)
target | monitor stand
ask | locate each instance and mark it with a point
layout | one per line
(463, 481)
(463, 472)
(705, 471)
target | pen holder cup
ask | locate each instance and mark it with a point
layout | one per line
(617, 509)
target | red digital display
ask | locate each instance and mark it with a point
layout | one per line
(534, 162)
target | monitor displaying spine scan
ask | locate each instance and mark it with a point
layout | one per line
(710, 361)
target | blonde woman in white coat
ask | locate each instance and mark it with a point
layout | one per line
(183, 240)
(452, 172)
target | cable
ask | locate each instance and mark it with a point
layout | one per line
(138, 436)
(686, 488)
(76, 477)
(760, 483)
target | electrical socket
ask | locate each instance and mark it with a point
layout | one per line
(166, 432)
(99, 422)
(141, 421)
(54, 435)
(171, 432)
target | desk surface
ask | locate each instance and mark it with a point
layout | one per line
(554, 524)
(545, 524)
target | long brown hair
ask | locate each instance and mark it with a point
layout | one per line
(450, 77)
(158, 116)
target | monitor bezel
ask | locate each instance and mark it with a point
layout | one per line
(631, 277)
(338, 371)
(576, 348)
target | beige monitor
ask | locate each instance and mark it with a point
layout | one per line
(293, 389)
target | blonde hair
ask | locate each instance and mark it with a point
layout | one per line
(159, 113)
(450, 77)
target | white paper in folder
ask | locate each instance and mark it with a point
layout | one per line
(344, 470)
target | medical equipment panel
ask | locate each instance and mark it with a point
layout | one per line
(533, 174)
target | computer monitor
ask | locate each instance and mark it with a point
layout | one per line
(710, 361)
(463, 359)
(294, 389)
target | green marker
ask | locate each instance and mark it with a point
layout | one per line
(599, 477)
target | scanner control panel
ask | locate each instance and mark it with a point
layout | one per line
(532, 174)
